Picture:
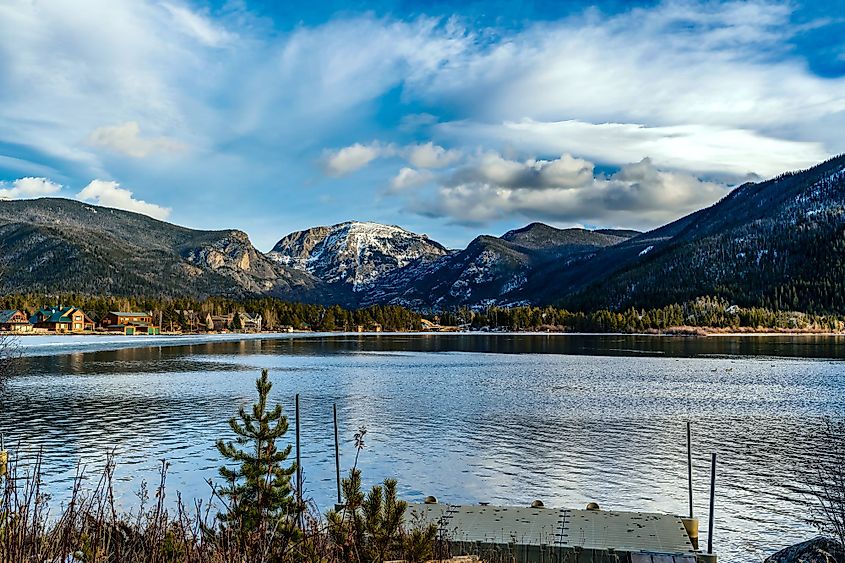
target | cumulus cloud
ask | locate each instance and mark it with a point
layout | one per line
(429, 155)
(28, 187)
(492, 168)
(410, 178)
(492, 187)
(126, 138)
(343, 161)
(110, 194)
(354, 157)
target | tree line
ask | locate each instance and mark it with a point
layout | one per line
(275, 313)
(703, 312)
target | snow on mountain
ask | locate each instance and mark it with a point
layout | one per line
(355, 253)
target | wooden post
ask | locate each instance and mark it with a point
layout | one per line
(689, 465)
(336, 453)
(712, 504)
(298, 467)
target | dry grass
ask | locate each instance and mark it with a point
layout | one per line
(90, 528)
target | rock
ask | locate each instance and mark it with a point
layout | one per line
(817, 550)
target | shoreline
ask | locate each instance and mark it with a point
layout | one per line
(32, 345)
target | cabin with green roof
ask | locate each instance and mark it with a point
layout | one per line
(62, 319)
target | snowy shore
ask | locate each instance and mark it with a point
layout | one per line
(50, 344)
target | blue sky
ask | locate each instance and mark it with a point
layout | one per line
(451, 119)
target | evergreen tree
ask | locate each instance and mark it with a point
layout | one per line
(259, 492)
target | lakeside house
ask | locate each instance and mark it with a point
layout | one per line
(191, 320)
(62, 319)
(250, 323)
(220, 323)
(14, 320)
(129, 323)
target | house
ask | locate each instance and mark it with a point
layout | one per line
(129, 323)
(62, 319)
(250, 323)
(191, 320)
(13, 320)
(218, 323)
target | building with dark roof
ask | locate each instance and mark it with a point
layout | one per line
(14, 320)
(129, 323)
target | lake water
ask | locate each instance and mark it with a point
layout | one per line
(504, 419)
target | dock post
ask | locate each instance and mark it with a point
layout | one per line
(298, 467)
(712, 504)
(336, 453)
(689, 465)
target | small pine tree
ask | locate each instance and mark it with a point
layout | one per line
(259, 492)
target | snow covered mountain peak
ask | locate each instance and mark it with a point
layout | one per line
(354, 252)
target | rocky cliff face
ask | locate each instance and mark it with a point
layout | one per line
(354, 253)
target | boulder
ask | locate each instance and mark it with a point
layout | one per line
(818, 550)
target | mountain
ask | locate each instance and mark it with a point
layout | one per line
(354, 254)
(491, 270)
(779, 243)
(55, 245)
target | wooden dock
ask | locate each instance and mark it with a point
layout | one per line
(558, 535)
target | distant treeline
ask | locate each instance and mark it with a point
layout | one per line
(275, 312)
(704, 312)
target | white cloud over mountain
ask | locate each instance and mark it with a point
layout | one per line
(110, 194)
(28, 187)
(565, 190)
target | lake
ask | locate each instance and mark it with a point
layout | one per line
(468, 418)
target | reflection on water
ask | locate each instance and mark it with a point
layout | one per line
(468, 418)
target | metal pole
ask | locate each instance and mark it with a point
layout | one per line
(712, 504)
(298, 463)
(689, 465)
(336, 453)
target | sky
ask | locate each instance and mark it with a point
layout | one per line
(447, 118)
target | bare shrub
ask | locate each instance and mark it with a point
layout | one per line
(827, 482)
(10, 354)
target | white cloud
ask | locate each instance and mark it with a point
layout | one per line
(676, 63)
(354, 157)
(709, 88)
(410, 178)
(126, 139)
(28, 188)
(343, 161)
(110, 194)
(429, 155)
(198, 26)
(696, 148)
(491, 187)
(491, 168)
